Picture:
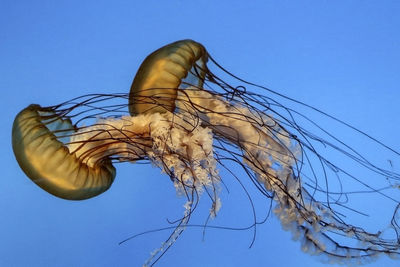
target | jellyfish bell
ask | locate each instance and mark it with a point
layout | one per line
(191, 123)
(49, 163)
(177, 65)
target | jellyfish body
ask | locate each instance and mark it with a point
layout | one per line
(187, 121)
(154, 88)
(49, 163)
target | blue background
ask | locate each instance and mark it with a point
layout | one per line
(340, 56)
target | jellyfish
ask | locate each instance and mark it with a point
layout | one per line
(191, 123)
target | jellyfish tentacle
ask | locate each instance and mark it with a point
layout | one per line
(264, 143)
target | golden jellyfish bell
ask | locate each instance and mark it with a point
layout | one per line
(179, 64)
(49, 163)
